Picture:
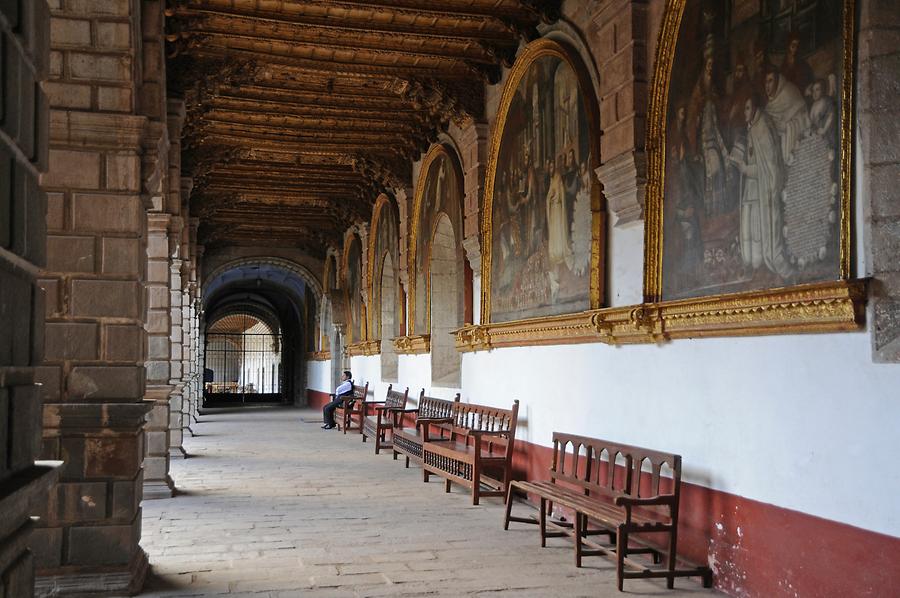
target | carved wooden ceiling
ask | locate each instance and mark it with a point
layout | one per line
(301, 111)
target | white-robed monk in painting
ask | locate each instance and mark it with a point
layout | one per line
(558, 248)
(788, 110)
(763, 170)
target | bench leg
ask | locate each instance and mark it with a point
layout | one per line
(407, 461)
(425, 476)
(447, 486)
(509, 500)
(543, 522)
(621, 549)
(579, 524)
(395, 455)
(476, 493)
(672, 558)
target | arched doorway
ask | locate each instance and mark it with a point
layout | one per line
(389, 328)
(243, 360)
(446, 292)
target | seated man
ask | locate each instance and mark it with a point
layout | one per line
(344, 389)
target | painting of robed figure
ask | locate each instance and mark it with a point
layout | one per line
(541, 201)
(753, 180)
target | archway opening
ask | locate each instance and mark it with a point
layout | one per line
(388, 290)
(446, 304)
(243, 360)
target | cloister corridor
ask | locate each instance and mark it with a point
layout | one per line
(270, 505)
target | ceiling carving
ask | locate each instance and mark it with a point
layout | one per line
(300, 112)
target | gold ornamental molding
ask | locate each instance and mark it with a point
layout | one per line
(364, 348)
(413, 345)
(318, 356)
(821, 307)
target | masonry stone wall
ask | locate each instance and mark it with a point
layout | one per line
(24, 60)
(101, 150)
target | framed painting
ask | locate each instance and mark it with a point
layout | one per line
(542, 228)
(750, 148)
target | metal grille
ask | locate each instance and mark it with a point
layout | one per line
(243, 361)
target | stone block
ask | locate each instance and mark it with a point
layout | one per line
(158, 272)
(885, 245)
(883, 190)
(64, 341)
(68, 95)
(72, 453)
(70, 254)
(105, 382)
(157, 322)
(46, 544)
(50, 380)
(71, 169)
(106, 545)
(52, 304)
(123, 343)
(24, 427)
(70, 32)
(157, 370)
(123, 172)
(158, 347)
(125, 498)
(120, 256)
(56, 65)
(114, 36)
(886, 335)
(107, 213)
(4, 431)
(881, 132)
(153, 60)
(117, 457)
(100, 67)
(114, 99)
(99, 8)
(157, 444)
(15, 299)
(81, 502)
(6, 197)
(878, 91)
(105, 299)
(56, 219)
(18, 579)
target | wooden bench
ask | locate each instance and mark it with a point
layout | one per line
(430, 410)
(378, 417)
(477, 452)
(352, 406)
(622, 491)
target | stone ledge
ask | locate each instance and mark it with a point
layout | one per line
(102, 581)
(119, 132)
(22, 490)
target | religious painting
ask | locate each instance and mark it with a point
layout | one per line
(439, 191)
(353, 282)
(542, 190)
(754, 192)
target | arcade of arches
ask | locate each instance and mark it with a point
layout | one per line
(670, 223)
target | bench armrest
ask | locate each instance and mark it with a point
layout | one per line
(424, 421)
(487, 433)
(629, 501)
(398, 410)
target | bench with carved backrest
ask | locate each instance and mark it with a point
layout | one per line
(407, 441)
(622, 491)
(378, 417)
(477, 452)
(351, 408)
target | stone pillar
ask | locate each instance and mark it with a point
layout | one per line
(618, 35)
(94, 377)
(879, 133)
(23, 155)
(176, 339)
(157, 481)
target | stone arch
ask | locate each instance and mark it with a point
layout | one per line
(308, 277)
(388, 318)
(430, 201)
(352, 279)
(446, 285)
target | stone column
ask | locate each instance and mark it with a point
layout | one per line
(176, 339)
(618, 35)
(879, 153)
(474, 147)
(157, 481)
(23, 155)
(94, 376)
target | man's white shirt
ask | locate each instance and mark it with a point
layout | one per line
(343, 387)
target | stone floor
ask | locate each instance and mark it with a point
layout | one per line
(271, 506)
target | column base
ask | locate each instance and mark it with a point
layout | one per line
(156, 489)
(83, 582)
(177, 452)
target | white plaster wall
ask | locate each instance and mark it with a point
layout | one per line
(318, 375)
(797, 421)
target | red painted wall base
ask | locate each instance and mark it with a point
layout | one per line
(317, 399)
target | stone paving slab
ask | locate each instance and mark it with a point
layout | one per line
(272, 507)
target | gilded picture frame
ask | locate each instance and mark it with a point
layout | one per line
(534, 52)
(385, 207)
(659, 120)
